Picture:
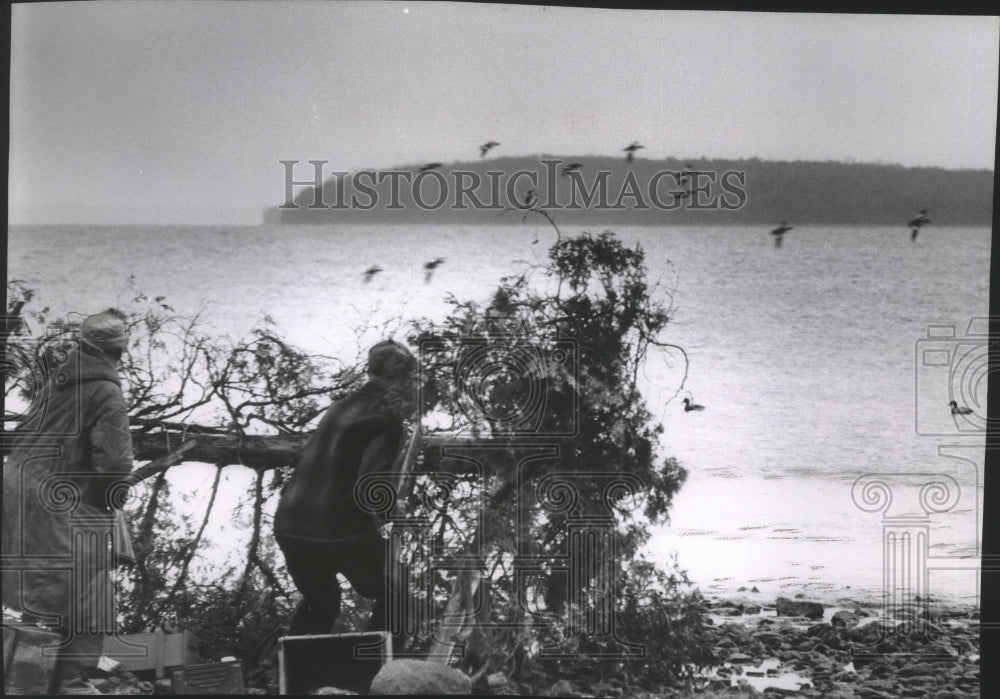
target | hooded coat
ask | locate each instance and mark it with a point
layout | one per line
(68, 455)
(357, 436)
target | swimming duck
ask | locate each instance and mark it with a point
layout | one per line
(956, 410)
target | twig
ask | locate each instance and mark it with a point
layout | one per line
(258, 504)
(686, 364)
(192, 548)
(161, 464)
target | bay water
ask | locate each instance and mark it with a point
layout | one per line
(825, 361)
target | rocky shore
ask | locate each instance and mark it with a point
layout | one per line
(796, 647)
(766, 647)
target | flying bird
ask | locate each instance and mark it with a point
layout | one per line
(429, 268)
(956, 410)
(371, 272)
(630, 151)
(779, 233)
(430, 166)
(689, 406)
(485, 148)
(571, 167)
(917, 222)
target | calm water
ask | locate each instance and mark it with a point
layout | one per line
(805, 356)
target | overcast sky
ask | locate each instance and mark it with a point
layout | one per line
(178, 112)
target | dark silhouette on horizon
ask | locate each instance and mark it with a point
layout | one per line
(371, 272)
(486, 147)
(630, 151)
(430, 166)
(917, 223)
(571, 167)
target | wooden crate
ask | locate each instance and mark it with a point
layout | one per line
(29, 666)
(208, 678)
(344, 660)
(157, 651)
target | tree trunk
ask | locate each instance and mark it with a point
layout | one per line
(259, 452)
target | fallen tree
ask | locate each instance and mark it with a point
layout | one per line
(506, 483)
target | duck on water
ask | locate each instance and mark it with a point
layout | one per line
(959, 410)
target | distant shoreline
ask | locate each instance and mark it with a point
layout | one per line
(671, 191)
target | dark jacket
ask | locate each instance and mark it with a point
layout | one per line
(76, 433)
(357, 436)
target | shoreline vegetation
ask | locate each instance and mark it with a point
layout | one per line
(644, 192)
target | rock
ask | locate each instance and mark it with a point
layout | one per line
(747, 688)
(740, 658)
(719, 683)
(562, 688)
(787, 607)
(754, 589)
(869, 633)
(407, 676)
(921, 678)
(870, 693)
(844, 619)
(103, 686)
(751, 609)
(77, 685)
(497, 679)
(941, 649)
(769, 640)
(726, 611)
(333, 690)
